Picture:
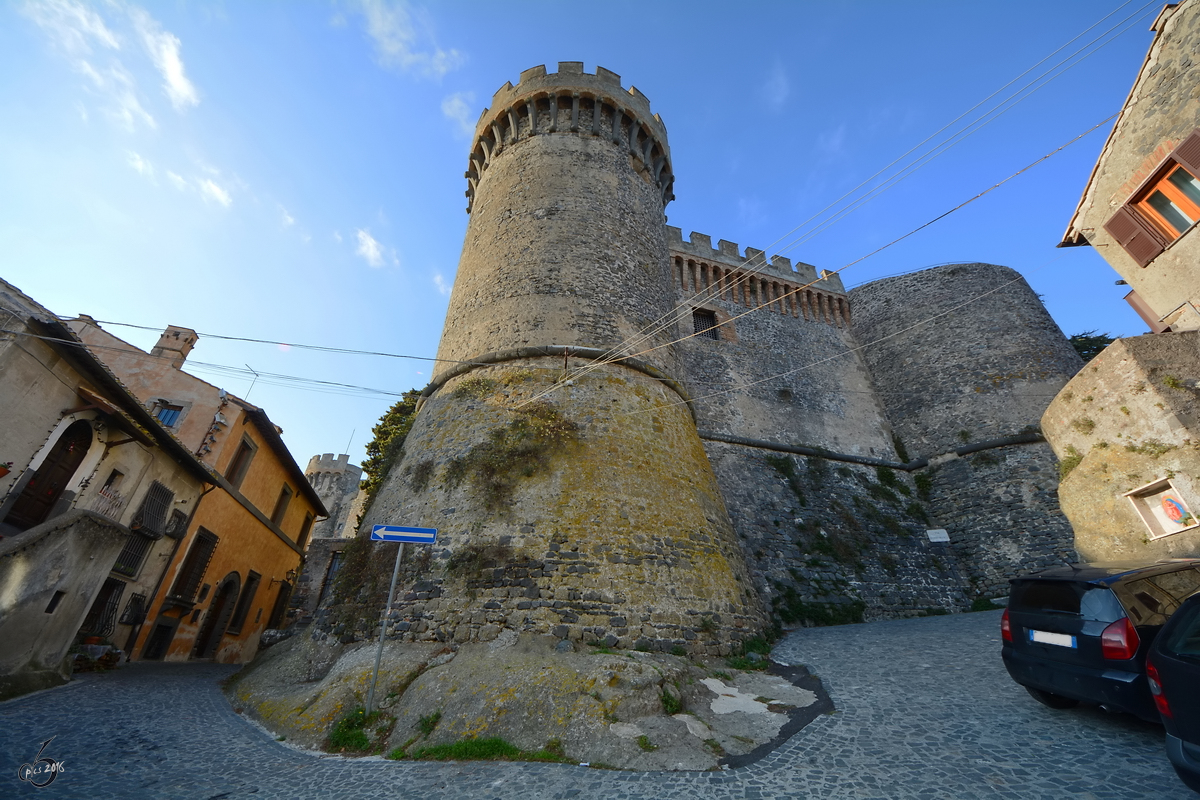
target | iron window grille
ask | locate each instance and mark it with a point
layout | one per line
(135, 610)
(130, 560)
(704, 323)
(148, 525)
(243, 604)
(102, 616)
(194, 566)
(177, 525)
(151, 516)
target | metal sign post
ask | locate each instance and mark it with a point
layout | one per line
(393, 533)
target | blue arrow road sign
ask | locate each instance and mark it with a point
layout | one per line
(395, 533)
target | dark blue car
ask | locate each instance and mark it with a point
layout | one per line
(1082, 632)
(1173, 672)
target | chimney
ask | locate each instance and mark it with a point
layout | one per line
(175, 344)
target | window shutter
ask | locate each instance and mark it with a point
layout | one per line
(1188, 153)
(1132, 233)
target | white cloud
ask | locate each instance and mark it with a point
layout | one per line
(457, 108)
(776, 88)
(391, 26)
(440, 283)
(119, 85)
(140, 165)
(176, 180)
(163, 48)
(368, 248)
(212, 190)
(73, 25)
(288, 219)
(81, 34)
(337, 236)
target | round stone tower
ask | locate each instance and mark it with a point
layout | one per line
(966, 358)
(554, 449)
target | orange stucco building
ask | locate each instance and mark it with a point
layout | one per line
(230, 577)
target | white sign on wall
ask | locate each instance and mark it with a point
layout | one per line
(938, 535)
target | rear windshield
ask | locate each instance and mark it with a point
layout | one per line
(1184, 638)
(1065, 597)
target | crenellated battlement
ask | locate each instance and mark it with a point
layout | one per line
(729, 254)
(575, 102)
(328, 462)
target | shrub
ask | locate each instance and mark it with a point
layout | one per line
(518, 450)
(348, 733)
(427, 723)
(671, 704)
(924, 484)
(1070, 462)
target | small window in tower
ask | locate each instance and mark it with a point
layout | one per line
(705, 323)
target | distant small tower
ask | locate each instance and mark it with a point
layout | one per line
(624, 536)
(336, 482)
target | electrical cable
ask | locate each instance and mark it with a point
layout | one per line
(679, 312)
(877, 250)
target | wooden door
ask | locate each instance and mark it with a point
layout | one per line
(42, 491)
(217, 619)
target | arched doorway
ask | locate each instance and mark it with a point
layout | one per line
(43, 490)
(217, 619)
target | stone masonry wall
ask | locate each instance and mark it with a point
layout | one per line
(966, 353)
(1162, 111)
(622, 537)
(830, 542)
(1130, 418)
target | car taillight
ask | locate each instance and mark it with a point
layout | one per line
(1005, 627)
(1156, 689)
(1119, 641)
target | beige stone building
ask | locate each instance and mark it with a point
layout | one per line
(1127, 427)
(95, 497)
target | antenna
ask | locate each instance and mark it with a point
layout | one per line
(251, 389)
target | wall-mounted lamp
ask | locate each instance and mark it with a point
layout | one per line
(288, 577)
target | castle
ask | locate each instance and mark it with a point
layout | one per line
(657, 443)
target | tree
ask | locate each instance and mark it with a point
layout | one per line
(388, 442)
(1089, 344)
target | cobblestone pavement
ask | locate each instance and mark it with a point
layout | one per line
(925, 710)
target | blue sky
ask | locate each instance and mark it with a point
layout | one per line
(292, 171)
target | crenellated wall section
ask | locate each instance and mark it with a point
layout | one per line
(701, 273)
(590, 105)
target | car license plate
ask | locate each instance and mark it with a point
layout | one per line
(1059, 639)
